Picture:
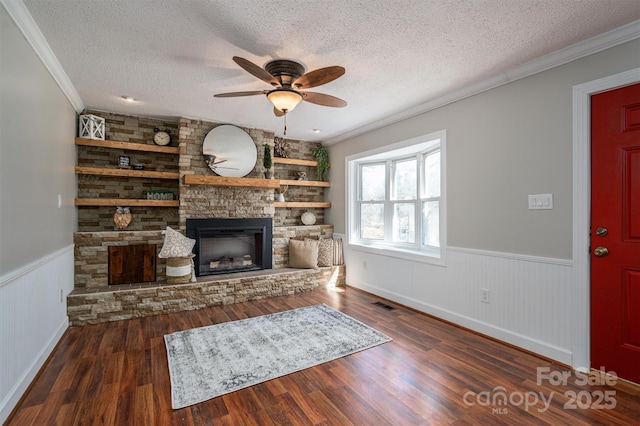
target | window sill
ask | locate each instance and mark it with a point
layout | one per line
(399, 253)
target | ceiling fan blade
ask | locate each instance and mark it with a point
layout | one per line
(235, 94)
(277, 112)
(218, 162)
(318, 77)
(323, 99)
(256, 71)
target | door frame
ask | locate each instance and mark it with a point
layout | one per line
(581, 277)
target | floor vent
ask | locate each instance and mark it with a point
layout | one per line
(384, 305)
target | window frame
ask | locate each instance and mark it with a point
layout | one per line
(416, 148)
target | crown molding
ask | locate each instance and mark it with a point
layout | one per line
(579, 50)
(23, 19)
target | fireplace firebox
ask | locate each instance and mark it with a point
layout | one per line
(226, 245)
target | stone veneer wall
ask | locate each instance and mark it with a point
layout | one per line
(91, 250)
(201, 201)
(126, 129)
(97, 307)
(198, 201)
(91, 254)
(129, 128)
(291, 216)
(95, 224)
(282, 234)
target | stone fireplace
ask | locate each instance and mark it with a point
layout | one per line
(226, 245)
(237, 228)
(97, 232)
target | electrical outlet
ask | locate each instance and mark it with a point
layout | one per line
(364, 265)
(61, 296)
(484, 295)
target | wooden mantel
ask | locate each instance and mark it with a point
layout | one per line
(230, 181)
(248, 182)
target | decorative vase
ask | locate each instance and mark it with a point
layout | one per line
(268, 174)
(281, 190)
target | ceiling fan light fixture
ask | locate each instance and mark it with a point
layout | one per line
(284, 100)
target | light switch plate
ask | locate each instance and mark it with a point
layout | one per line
(541, 202)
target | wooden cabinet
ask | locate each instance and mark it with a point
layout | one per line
(132, 264)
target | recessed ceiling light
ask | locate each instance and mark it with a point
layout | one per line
(128, 98)
(316, 130)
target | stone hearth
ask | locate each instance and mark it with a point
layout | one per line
(114, 303)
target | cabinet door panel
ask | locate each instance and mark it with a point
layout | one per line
(132, 264)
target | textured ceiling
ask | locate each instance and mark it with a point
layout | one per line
(173, 56)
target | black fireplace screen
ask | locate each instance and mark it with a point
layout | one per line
(231, 245)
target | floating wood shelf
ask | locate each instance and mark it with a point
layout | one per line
(248, 182)
(295, 182)
(294, 161)
(102, 171)
(303, 204)
(131, 202)
(230, 181)
(131, 146)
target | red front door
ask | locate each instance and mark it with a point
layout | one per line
(615, 232)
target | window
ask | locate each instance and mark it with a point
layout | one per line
(396, 198)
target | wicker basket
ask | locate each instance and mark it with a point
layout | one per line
(179, 269)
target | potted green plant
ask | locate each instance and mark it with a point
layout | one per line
(322, 157)
(267, 162)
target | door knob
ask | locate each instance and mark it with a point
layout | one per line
(601, 251)
(601, 232)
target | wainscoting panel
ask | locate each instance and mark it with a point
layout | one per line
(33, 317)
(530, 302)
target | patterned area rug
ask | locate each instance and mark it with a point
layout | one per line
(210, 361)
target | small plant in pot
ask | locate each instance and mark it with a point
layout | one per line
(322, 157)
(267, 162)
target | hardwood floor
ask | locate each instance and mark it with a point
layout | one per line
(431, 373)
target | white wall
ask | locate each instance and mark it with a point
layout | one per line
(503, 144)
(37, 158)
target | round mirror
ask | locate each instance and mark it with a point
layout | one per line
(229, 151)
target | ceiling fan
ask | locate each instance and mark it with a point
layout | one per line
(288, 78)
(213, 163)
